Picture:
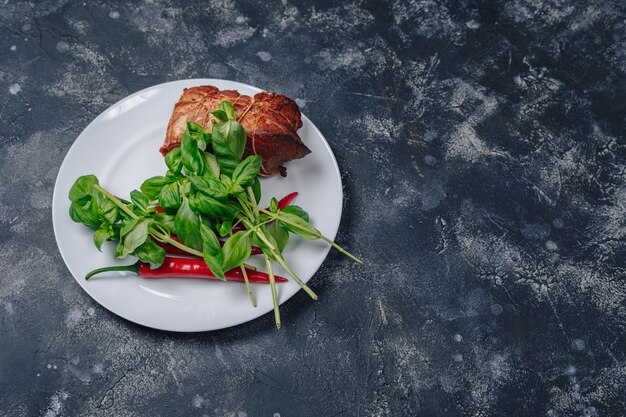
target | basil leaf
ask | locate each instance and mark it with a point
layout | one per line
(108, 210)
(140, 200)
(256, 190)
(209, 206)
(101, 235)
(165, 220)
(187, 226)
(226, 158)
(151, 253)
(202, 141)
(132, 235)
(174, 161)
(236, 250)
(273, 205)
(194, 127)
(298, 211)
(225, 227)
(152, 186)
(220, 115)
(261, 243)
(228, 109)
(212, 251)
(83, 188)
(247, 170)
(280, 235)
(169, 198)
(298, 226)
(190, 155)
(231, 186)
(234, 136)
(84, 214)
(210, 186)
(211, 167)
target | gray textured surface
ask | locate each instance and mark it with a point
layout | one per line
(482, 150)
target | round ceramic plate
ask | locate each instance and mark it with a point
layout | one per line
(121, 147)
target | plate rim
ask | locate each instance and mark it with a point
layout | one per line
(258, 313)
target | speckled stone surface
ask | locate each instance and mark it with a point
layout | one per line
(482, 150)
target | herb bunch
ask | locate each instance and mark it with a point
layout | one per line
(204, 194)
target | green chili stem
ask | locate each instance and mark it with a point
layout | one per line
(270, 272)
(127, 268)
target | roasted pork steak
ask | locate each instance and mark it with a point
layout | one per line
(270, 120)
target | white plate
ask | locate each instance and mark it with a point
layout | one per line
(121, 147)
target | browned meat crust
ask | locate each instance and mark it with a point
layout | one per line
(270, 120)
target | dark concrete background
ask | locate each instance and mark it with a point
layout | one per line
(482, 151)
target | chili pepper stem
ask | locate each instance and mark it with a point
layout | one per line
(128, 268)
(270, 272)
(245, 278)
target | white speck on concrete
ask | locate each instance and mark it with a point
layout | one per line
(91, 311)
(457, 357)
(197, 401)
(276, 414)
(55, 406)
(49, 366)
(8, 307)
(73, 317)
(571, 370)
(114, 14)
(54, 367)
(472, 24)
(300, 102)
(63, 46)
(265, 56)
(240, 19)
(578, 344)
(457, 337)
(496, 309)
(430, 136)
(15, 88)
(430, 160)
(551, 245)
(13, 48)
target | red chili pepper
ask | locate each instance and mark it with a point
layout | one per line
(186, 268)
(286, 200)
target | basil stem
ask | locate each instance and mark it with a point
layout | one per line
(270, 272)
